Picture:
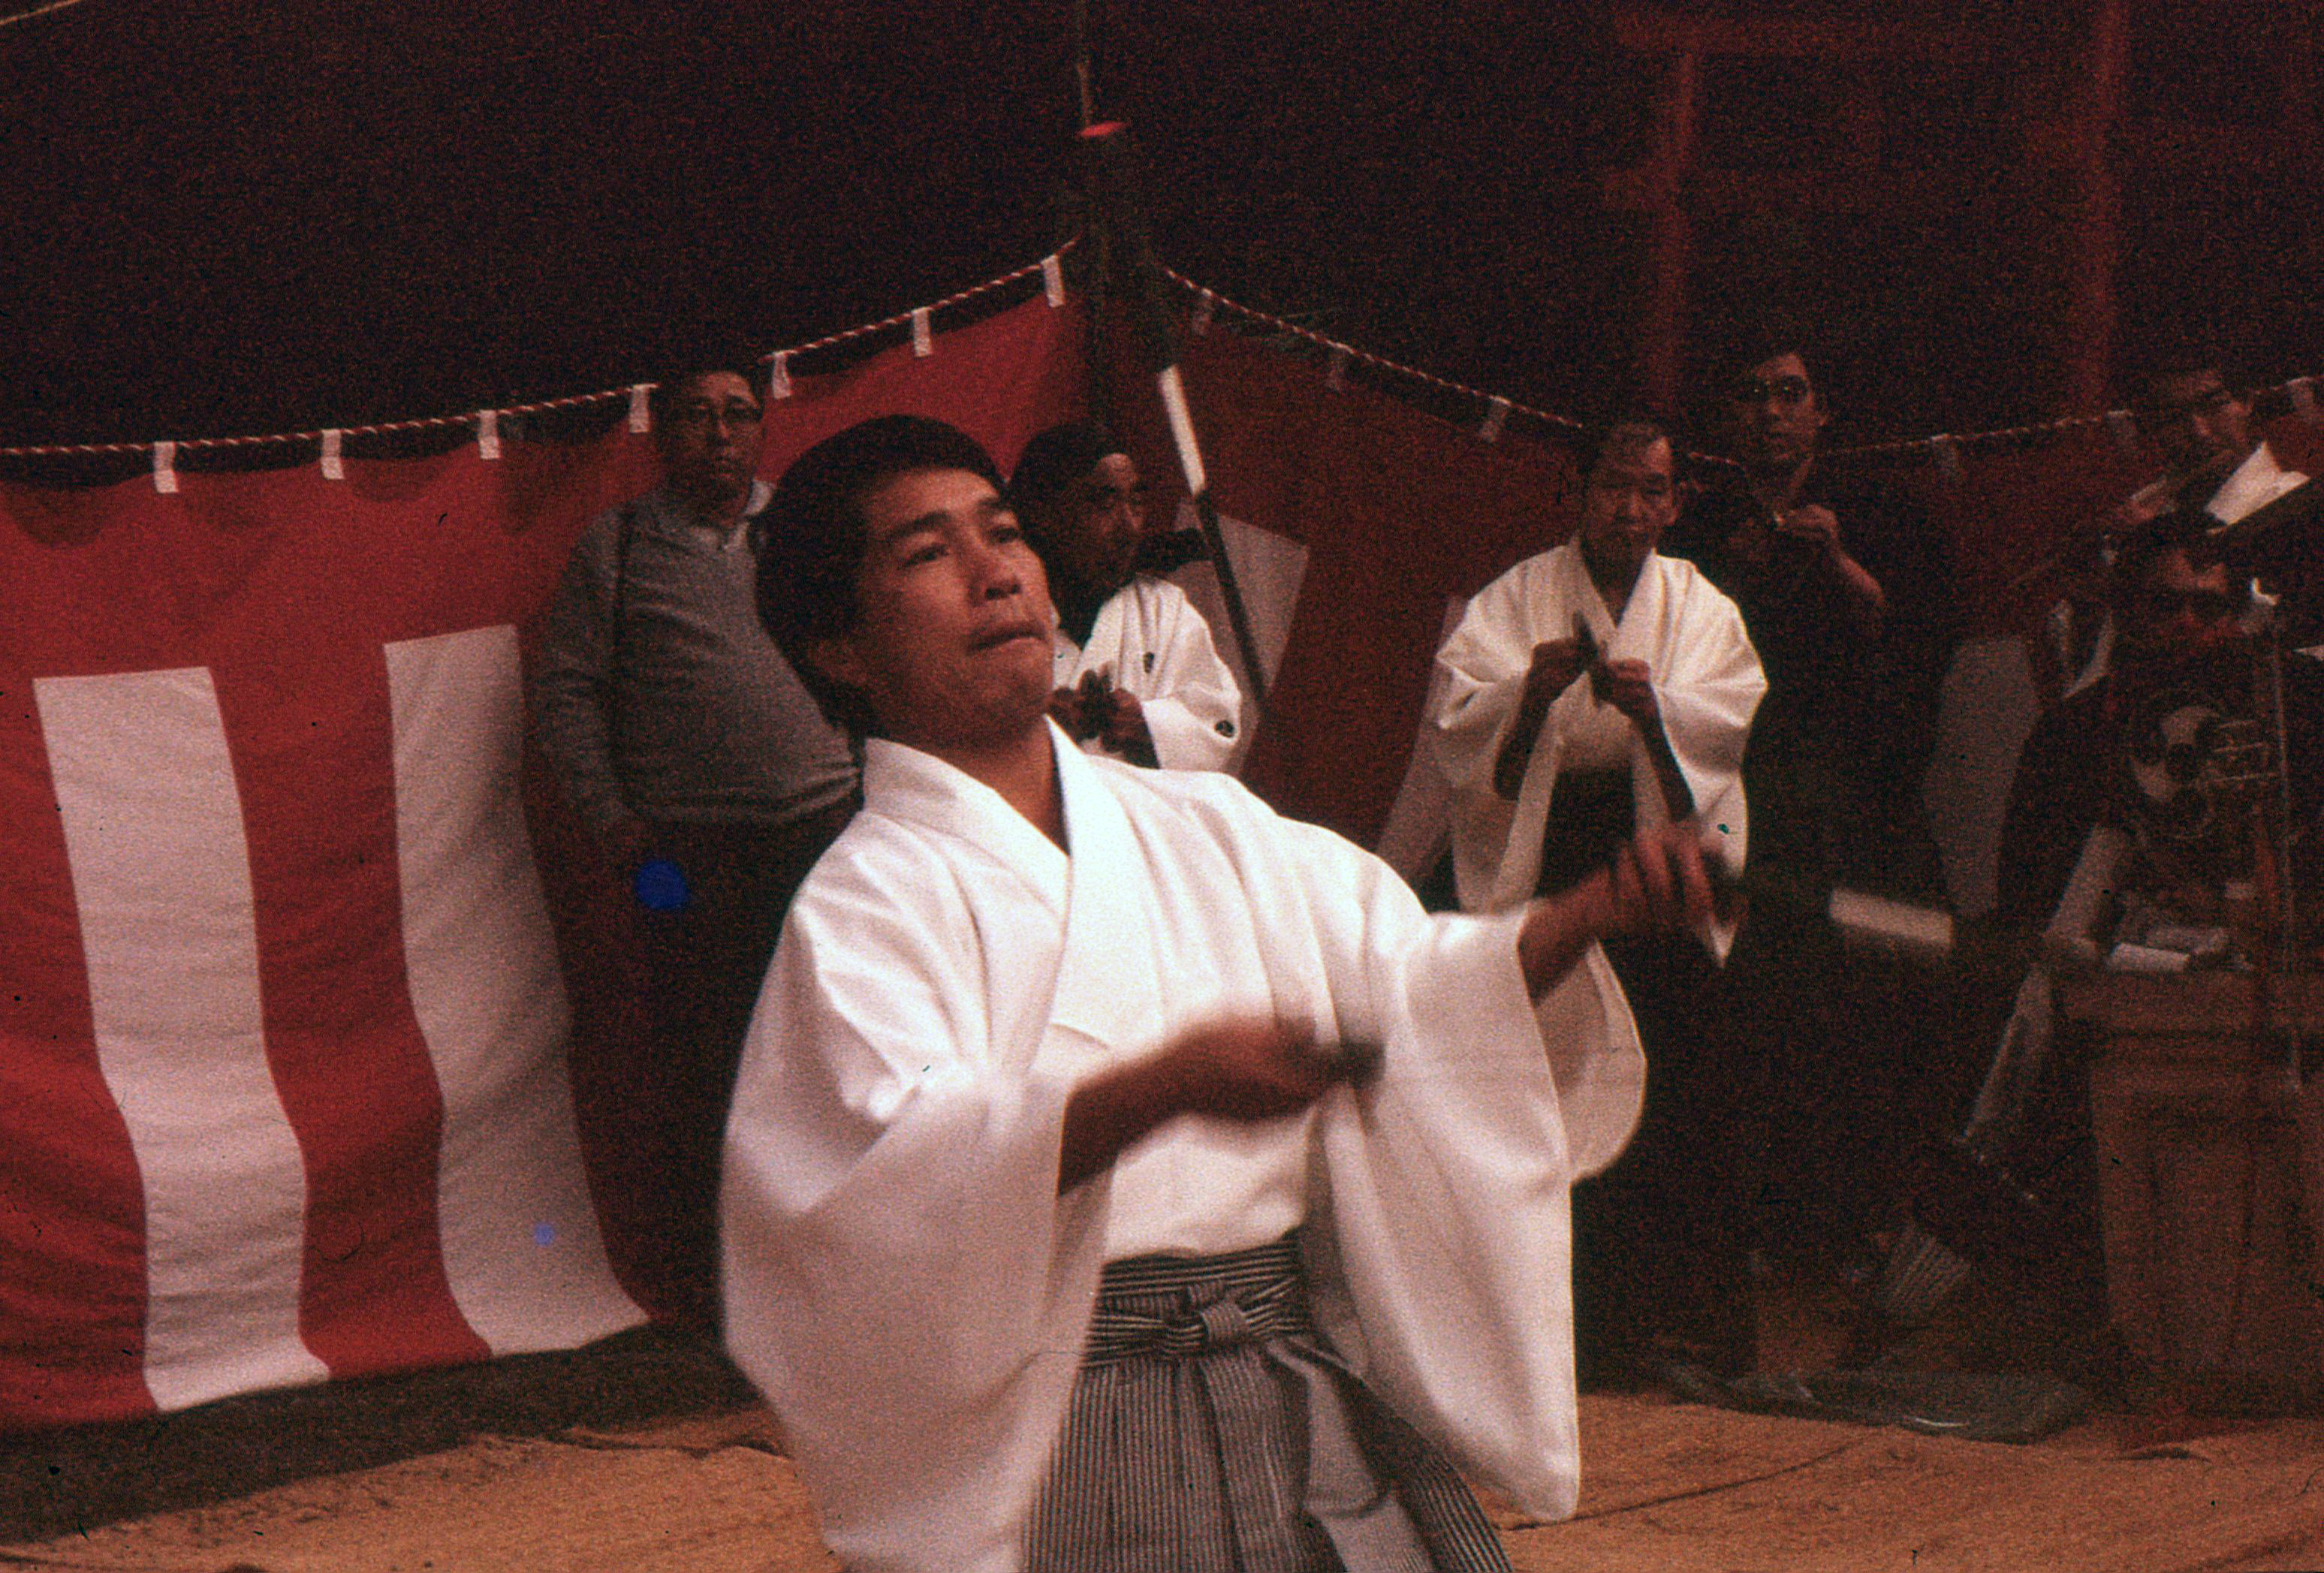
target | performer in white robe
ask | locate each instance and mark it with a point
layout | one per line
(1137, 675)
(1706, 682)
(916, 1218)
(1649, 728)
(1149, 641)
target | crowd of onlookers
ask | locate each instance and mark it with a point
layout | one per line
(1755, 646)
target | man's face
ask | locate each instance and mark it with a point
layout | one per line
(952, 639)
(1773, 414)
(710, 438)
(1631, 499)
(2199, 424)
(1101, 521)
(2181, 611)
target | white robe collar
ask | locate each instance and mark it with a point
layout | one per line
(2255, 484)
(1108, 988)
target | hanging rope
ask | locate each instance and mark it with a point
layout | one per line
(12, 20)
(1942, 448)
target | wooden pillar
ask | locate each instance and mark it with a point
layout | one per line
(1670, 258)
(2090, 301)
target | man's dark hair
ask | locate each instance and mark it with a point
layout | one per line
(681, 371)
(1632, 428)
(815, 543)
(1057, 458)
(1758, 342)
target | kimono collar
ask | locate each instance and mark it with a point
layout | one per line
(1642, 615)
(904, 783)
(2259, 479)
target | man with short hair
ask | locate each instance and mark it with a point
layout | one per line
(1846, 591)
(1591, 691)
(2179, 608)
(2191, 403)
(1055, 1172)
(1137, 675)
(684, 740)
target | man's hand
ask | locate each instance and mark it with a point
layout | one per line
(1867, 603)
(1065, 710)
(1658, 881)
(1254, 1069)
(1556, 663)
(1242, 1069)
(1629, 687)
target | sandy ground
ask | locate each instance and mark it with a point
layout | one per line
(1670, 1486)
(647, 1454)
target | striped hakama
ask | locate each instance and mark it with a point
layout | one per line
(1212, 1431)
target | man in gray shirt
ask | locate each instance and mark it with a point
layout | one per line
(711, 779)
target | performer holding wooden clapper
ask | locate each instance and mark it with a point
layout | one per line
(1100, 1128)
(1592, 689)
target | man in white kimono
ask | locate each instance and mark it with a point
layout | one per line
(1589, 691)
(1136, 675)
(1053, 1236)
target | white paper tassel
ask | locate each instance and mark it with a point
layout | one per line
(779, 375)
(2301, 390)
(1496, 415)
(165, 468)
(641, 411)
(924, 341)
(488, 434)
(1335, 375)
(1946, 451)
(335, 465)
(1205, 304)
(1053, 279)
(2125, 430)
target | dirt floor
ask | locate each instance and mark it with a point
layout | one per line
(645, 1455)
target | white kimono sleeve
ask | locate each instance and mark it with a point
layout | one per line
(903, 1282)
(1441, 1237)
(1193, 706)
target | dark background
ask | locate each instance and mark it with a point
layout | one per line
(241, 218)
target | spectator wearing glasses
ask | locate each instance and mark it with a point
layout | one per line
(686, 743)
(2180, 612)
(1848, 596)
(2192, 404)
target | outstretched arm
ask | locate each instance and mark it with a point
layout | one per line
(1656, 882)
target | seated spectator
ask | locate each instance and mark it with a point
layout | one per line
(1137, 675)
(2179, 610)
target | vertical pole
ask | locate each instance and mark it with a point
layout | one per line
(1662, 332)
(2091, 307)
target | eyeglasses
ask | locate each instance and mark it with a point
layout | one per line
(1759, 390)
